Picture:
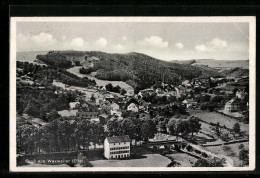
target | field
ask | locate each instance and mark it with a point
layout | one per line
(234, 148)
(225, 64)
(144, 159)
(183, 159)
(75, 70)
(219, 118)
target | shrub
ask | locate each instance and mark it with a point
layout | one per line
(71, 164)
(241, 146)
(189, 148)
(197, 151)
(204, 154)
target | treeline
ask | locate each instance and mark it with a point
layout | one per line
(184, 127)
(58, 136)
(136, 128)
(56, 60)
(116, 89)
(46, 74)
(114, 75)
(84, 70)
(43, 104)
(168, 111)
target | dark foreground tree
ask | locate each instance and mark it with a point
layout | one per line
(215, 162)
(244, 156)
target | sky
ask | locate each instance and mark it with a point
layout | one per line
(162, 40)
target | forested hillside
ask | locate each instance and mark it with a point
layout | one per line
(46, 74)
(134, 68)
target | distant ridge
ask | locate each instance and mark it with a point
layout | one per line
(217, 64)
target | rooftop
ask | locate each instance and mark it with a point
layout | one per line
(117, 139)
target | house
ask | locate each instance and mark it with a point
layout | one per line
(85, 105)
(159, 92)
(186, 82)
(117, 147)
(240, 94)
(132, 107)
(103, 90)
(115, 109)
(232, 105)
(146, 92)
(177, 93)
(189, 103)
(87, 114)
(74, 105)
(143, 105)
(103, 118)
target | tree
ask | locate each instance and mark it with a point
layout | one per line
(127, 127)
(148, 129)
(97, 134)
(236, 127)
(228, 151)
(113, 127)
(92, 98)
(215, 162)
(122, 91)
(77, 63)
(177, 126)
(244, 156)
(52, 115)
(194, 125)
(109, 87)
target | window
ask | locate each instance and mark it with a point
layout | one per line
(119, 143)
(124, 143)
(114, 144)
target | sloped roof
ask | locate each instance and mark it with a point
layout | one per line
(234, 100)
(117, 139)
(132, 105)
(114, 105)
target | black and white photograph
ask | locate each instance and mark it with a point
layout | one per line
(132, 94)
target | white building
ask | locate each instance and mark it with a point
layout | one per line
(132, 107)
(115, 109)
(232, 105)
(117, 147)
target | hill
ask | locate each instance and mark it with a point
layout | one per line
(235, 72)
(135, 69)
(216, 64)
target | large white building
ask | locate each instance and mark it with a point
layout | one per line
(117, 147)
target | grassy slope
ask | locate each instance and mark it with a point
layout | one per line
(236, 72)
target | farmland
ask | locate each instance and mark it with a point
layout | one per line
(219, 118)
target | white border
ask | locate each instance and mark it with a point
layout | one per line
(252, 84)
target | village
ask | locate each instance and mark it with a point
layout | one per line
(168, 125)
